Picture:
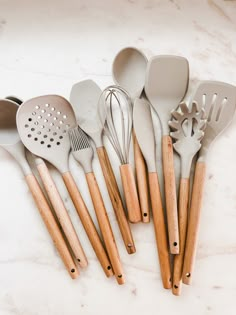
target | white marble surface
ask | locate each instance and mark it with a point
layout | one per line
(46, 46)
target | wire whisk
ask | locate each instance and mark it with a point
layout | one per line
(116, 105)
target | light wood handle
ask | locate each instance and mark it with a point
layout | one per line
(194, 221)
(87, 223)
(183, 218)
(51, 225)
(170, 194)
(116, 200)
(62, 214)
(160, 230)
(131, 195)
(105, 228)
(142, 182)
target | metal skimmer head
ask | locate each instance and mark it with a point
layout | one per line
(116, 105)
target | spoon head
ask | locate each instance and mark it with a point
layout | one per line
(166, 84)
(43, 123)
(219, 101)
(129, 69)
(8, 130)
(84, 98)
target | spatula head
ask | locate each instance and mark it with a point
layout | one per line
(166, 84)
(43, 123)
(219, 101)
(143, 127)
(129, 69)
(84, 99)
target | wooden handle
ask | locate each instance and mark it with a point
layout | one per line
(62, 214)
(193, 223)
(105, 227)
(116, 200)
(183, 218)
(131, 195)
(87, 223)
(141, 173)
(170, 194)
(51, 225)
(160, 230)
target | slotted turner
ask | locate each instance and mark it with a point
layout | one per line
(219, 101)
(43, 123)
(166, 85)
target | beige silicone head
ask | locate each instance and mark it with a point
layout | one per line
(43, 123)
(143, 126)
(84, 97)
(166, 84)
(219, 101)
(129, 70)
(188, 124)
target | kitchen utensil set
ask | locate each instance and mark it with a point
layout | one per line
(50, 127)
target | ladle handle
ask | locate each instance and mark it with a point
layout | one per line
(62, 214)
(105, 227)
(170, 194)
(87, 223)
(51, 225)
(183, 218)
(141, 173)
(131, 194)
(116, 200)
(160, 230)
(194, 222)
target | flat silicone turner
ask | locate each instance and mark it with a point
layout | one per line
(219, 101)
(43, 123)
(166, 85)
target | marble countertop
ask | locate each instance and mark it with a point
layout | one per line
(45, 47)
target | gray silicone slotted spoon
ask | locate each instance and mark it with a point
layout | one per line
(83, 153)
(144, 131)
(188, 124)
(84, 98)
(43, 123)
(219, 101)
(128, 71)
(11, 142)
(58, 205)
(165, 86)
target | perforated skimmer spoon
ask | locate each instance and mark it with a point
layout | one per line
(128, 71)
(165, 87)
(58, 205)
(144, 131)
(219, 101)
(43, 123)
(84, 98)
(10, 141)
(188, 124)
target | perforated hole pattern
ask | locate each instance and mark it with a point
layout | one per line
(51, 122)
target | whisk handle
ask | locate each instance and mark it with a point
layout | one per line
(194, 222)
(116, 200)
(183, 215)
(51, 225)
(141, 173)
(105, 227)
(160, 230)
(170, 194)
(87, 223)
(131, 194)
(62, 214)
